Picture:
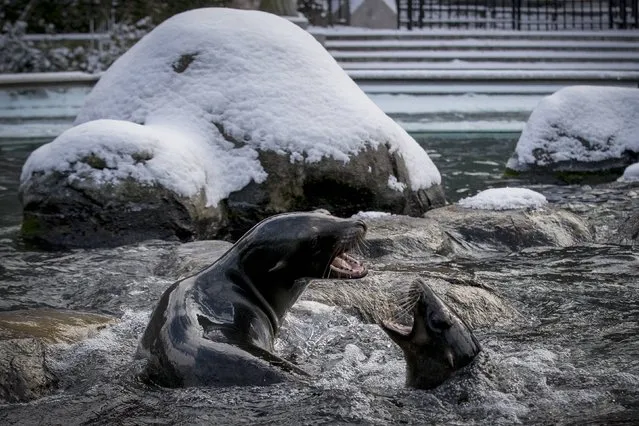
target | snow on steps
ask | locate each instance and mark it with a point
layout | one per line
(439, 61)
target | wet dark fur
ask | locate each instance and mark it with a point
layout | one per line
(217, 327)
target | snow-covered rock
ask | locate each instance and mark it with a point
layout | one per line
(240, 115)
(580, 133)
(631, 174)
(504, 199)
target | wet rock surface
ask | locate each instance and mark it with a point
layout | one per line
(25, 336)
(511, 230)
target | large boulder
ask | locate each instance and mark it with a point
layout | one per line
(24, 337)
(579, 134)
(215, 120)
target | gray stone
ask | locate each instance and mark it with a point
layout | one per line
(62, 212)
(385, 295)
(453, 230)
(510, 230)
(23, 372)
(24, 337)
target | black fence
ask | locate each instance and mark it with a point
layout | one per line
(519, 14)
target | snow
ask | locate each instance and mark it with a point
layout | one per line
(370, 215)
(504, 199)
(488, 65)
(580, 123)
(490, 43)
(362, 32)
(468, 103)
(487, 55)
(497, 74)
(631, 174)
(393, 183)
(174, 160)
(260, 80)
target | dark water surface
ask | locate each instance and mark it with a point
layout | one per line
(573, 358)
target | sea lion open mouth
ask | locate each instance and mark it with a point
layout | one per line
(346, 266)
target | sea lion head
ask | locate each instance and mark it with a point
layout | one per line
(304, 245)
(438, 344)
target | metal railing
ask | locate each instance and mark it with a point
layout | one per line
(519, 14)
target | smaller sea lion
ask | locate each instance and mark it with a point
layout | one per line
(217, 327)
(437, 345)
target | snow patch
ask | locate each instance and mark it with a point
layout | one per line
(370, 215)
(393, 183)
(504, 199)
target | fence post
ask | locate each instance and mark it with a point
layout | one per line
(610, 15)
(624, 15)
(409, 12)
(516, 15)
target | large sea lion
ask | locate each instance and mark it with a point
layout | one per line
(437, 345)
(217, 327)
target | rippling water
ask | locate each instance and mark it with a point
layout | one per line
(572, 358)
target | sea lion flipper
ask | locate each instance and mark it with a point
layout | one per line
(273, 359)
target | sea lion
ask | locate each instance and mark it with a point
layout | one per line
(217, 327)
(437, 345)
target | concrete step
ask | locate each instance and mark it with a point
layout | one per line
(348, 33)
(480, 65)
(485, 55)
(481, 44)
(501, 82)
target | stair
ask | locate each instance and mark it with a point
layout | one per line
(477, 80)
(484, 62)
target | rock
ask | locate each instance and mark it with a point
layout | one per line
(24, 336)
(400, 238)
(579, 134)
(384, 295)
(212, 122)
(23, 372)
(628, 231)
(453, 230)
(472, 230)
